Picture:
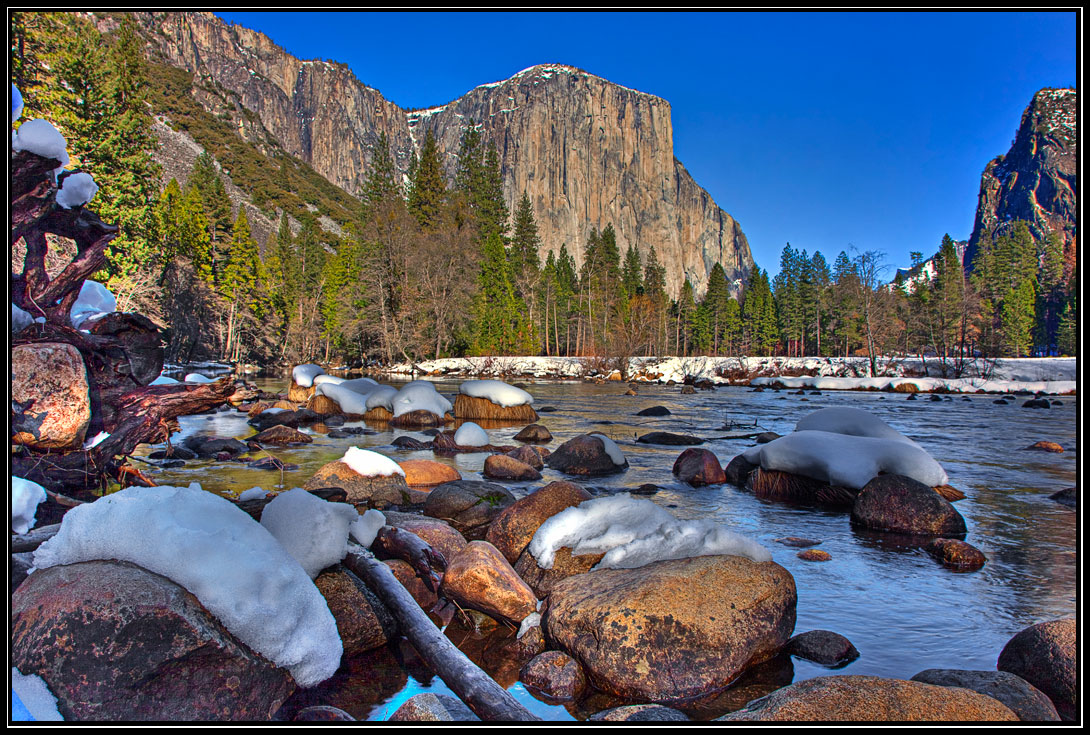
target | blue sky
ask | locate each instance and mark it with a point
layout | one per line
(827, 130)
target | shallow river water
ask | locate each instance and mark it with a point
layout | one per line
(901, 609)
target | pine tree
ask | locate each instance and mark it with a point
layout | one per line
(632, 273)
(381, 182)
(428, 191)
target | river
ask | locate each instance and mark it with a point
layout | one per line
(901, 609)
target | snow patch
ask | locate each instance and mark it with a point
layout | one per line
(614, 452)
(313, 530)
(470, 434)
(34, 694)
(26, 495)
(304, 375)
(371, 464)
(497, 392)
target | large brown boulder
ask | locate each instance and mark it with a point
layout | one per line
(52, 378)
(673, 629)
(512, 530)
(114, 641)
(379, 491)
(1046, 655)
(481, 579)
(565, 565)
(871, 699)
(1024, 699)
(698, 467)
(363, 622)
(898, 504)
(585, 455)
(468, 505)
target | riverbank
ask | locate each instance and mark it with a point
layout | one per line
(1054, 375)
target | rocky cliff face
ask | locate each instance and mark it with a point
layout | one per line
(587, 152)
(1037, 180)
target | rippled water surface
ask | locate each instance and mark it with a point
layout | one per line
(900, 608)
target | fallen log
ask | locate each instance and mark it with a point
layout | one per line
(480, 692)
(31, 540)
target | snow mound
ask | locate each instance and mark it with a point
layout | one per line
(163, 380)
(76, 190)
(371, 464)
(382, 397)
(419, 395)
(26, 495)
(497, 392)
(41, 138)
(846, 460)
(611, 448)
(16, 103)
(348, 400)
(198, 378)
(312, 530)
(851, 422)
(367, 526)
(633, 532)
(20, 319)
(470, 434)
(230, 562)
(323, 378)
(304, 375)
(254, 493)
(34, 694)
(94, 300)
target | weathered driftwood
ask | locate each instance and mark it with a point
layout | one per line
(397, 543)
(480, 692)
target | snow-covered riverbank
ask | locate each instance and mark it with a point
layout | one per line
(1051, 375)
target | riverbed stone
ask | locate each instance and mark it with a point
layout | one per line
(468, 505)
(363, 622)
(814, 555)
(535, 434)
(292, 418)
(1046, 655)
(281, 434)
(116, 642)
(699, 467)
(738, 469)
(565, 565)
(527, 455)
(512, 530)
(640, 713)
(436, 533)
(417, 588)
(379, 491)
(432, 707)
(1024, 699)
(1068, 496)
(668, 439)
(822, 647)
(1046, 446)
(871, 699)
(480, 578)
(211, 446)
(1036, 403)
(956, 554)
(419, 419)
(584, 455)
(554, 674)
(654, 411)
(672, 629)
(898, 504)
(428, 473)
(506, 467)
(52, 378)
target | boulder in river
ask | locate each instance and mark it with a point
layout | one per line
(871, 699)
(672, 629)
(668, 439)
(468, 505)
(115, 642)
(1046, 655)
(376, 491)
(554, 674)
(898, 504)
(699, 467)
(512, 530)
(822, 647)
(478, 577)
(1024, 699)
(588, 455)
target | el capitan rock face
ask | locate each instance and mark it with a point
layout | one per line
(587, 152)
(1037, 181)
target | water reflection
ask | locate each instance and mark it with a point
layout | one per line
(902, 610)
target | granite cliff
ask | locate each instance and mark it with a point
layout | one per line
(1037, 180)
(587, 151)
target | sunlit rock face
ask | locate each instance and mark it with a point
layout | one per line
(586, 151)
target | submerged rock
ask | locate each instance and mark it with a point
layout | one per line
(587, 455)
(506, 467)
(640, 713)
(956, 554)
(554, 674)
(668, 439)
(534, 433)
